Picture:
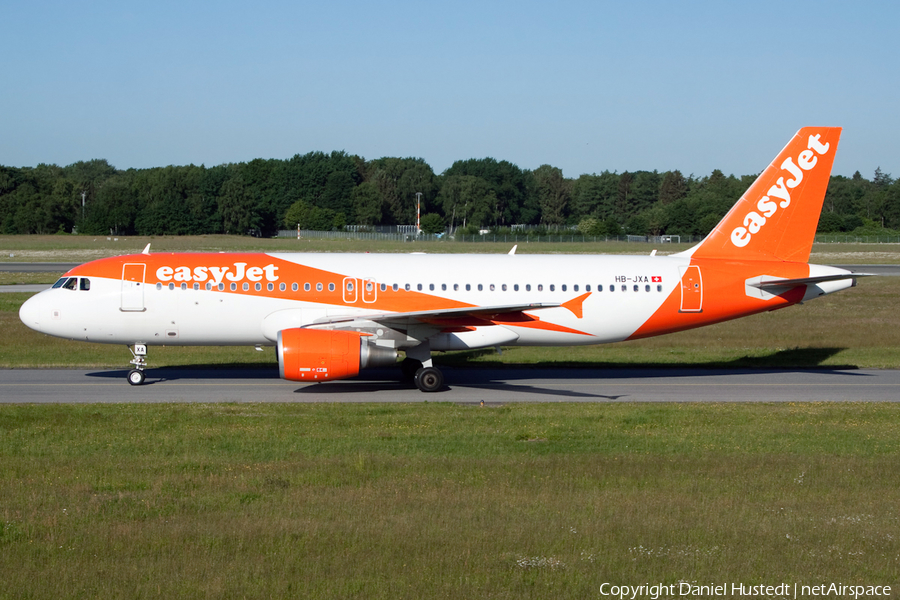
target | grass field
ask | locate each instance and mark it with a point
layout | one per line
(69, 248)
(439, 500)
(452, 501)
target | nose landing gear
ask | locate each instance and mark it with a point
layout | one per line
(136, 375)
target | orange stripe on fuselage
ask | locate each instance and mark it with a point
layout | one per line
(201, 268)
(253, 268)
(724, 296)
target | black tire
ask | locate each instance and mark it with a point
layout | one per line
(136, 377)
(410, 367)
(429, 379)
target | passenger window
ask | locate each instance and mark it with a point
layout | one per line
(587, 288)
(646, 288)
(172, 286)
(258, 287)
(271, 287)
(431, 287)
(158, 286)
(600, 288)
(281, 287)
(233, 287)
(419, 287)
(612, 288)
(492, 287)
(540, 287)
(84, 284)
(552, 287)
(659, 288)
(527, 287)
(184, 286)
(196, 286)
(443, 287)
(349, 286)
(636, 287)
(222, 287)
(319, 287)
(245, 286)
(395, 287)
(208, 286)
(383, 287)
(294, 286)
(480, 287)
(563, 287)
(305, 287)
(503, 287)
(468, 287)
(624, 288)
(575, 287)
(515, 287)
(455, 287)
(330, 287)
(406, 287)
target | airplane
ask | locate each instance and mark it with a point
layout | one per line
(331, 315)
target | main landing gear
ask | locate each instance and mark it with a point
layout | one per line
(418, 366)
(136, 375)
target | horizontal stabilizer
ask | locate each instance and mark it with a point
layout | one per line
(775, 282)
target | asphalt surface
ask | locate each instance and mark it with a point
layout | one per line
(464, 385)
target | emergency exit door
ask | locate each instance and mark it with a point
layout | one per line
(691, 289)
(133, 287)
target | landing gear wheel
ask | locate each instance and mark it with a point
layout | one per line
(410, 367)
(429, 379)
(136, 377)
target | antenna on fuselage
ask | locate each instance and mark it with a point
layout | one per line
(146, 250)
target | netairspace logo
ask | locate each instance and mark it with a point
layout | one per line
(685, 589)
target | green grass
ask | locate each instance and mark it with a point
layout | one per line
(74, 248)
(424, 501)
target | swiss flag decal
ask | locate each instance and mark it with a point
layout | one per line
(655, 279)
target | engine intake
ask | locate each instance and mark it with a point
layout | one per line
(322, 354)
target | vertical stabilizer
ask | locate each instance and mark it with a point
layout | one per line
(777, 216)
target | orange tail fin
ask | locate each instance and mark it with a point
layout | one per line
(776, 218)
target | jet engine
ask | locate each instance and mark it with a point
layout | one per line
(322, 354)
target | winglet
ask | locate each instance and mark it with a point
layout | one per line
(575, 305)
(513, 251)
(776, 218)
(146, 250)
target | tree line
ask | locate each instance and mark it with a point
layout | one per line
(330, 191)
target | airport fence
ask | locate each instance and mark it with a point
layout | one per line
(561, 237)
(487, 237)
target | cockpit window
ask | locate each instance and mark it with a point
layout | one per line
(70, 283)
(84, 284)
(60, 283)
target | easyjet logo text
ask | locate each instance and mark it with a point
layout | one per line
(235, 272)
(779, 195)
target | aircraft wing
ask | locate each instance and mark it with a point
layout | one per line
(448, 317)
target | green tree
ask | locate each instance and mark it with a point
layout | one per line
(368, 204)
(431, 223)
(553, 192)
(673, 187)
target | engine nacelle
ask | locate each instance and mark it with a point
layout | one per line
(323, 354)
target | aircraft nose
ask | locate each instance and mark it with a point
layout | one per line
(31, 313)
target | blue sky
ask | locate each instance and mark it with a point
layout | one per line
(584, 86)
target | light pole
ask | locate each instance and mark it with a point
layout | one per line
(418, 212)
